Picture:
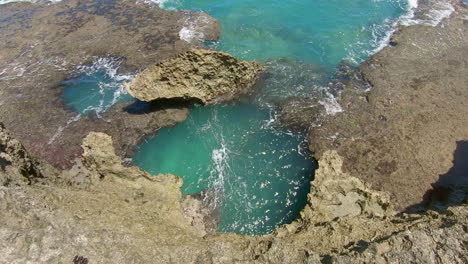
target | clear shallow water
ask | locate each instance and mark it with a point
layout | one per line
(258, 173)
(96, 87)
(317, 31)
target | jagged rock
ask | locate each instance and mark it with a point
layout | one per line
(42, 45)
(207, 76)
(100, 161)
(126, 215)
(16, 165)
(335, 193)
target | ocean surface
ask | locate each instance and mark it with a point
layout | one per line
(255, 173)
(258, 173)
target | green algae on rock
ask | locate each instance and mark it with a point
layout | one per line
(207, 76)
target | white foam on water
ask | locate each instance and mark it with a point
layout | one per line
(164, 4)
(189, 34)
(438, 11)
(219, 158)
(332, 107)
(189, 31)
(110, 66)
(381, 34)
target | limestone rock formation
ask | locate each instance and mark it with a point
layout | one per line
(125, 215)
(207, 76)
(335, 193)
(16, 165)
(42, 45)
(401, 136)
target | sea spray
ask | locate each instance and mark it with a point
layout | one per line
(96, 87)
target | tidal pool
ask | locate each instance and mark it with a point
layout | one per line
(258, 172)
(96, 87)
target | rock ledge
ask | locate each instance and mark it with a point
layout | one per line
(207, 76)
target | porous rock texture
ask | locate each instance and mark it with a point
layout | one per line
(124, 215)
(400, 137)
(207, 76)
(43, 45)
(16, 164)
(101, 211)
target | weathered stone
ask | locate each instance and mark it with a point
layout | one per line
(335, 193)
(16, 164)
(207, 76)
(42, 45)
(126, 215)
(401, 135)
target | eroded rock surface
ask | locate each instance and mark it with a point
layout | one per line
(103, 212)
(401, 136)
(125, 215)
(207, 76)
(16, 164)
(42, 45)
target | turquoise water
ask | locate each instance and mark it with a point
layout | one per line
(259, 175)
(95, 88)
(319, 31)
(256, 174)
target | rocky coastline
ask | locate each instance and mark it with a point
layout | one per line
(393, 146)
(401, 135)
(42, 45)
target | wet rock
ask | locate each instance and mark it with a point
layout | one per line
(299, 113)
(401, 135)
(207, 76)
(42, 45)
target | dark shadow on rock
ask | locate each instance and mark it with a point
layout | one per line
(452, 188)
(139, 107)
(4, 163)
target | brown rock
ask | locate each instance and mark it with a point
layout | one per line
(16, 164)
(400, 137)
(42, 45)
(207, 76)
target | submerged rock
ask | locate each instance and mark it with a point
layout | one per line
(207, 76)
(299, 113)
